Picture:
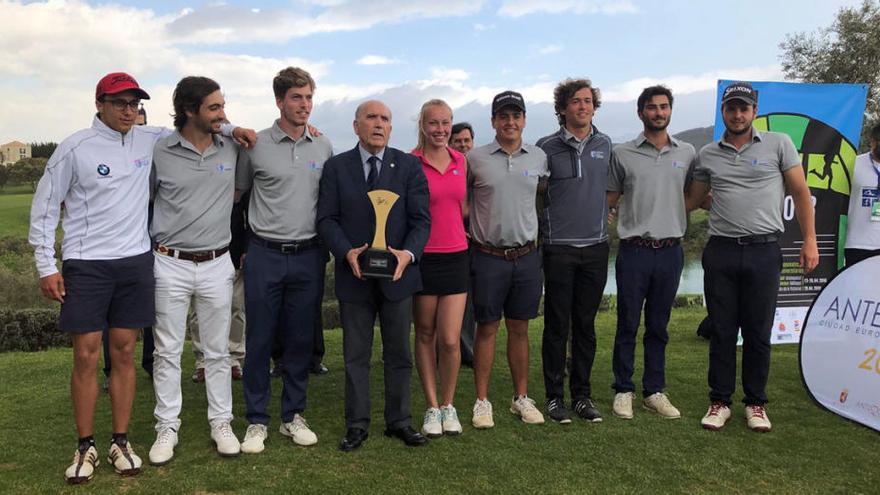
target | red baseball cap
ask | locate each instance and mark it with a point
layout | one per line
(117, 82)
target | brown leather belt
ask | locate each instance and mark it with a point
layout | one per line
(196, 256)
(508, 253)
(652, 243)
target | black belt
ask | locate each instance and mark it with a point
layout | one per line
(288, 247)
(508, 253)
(652, 243)
(749, 239)
(197, 256)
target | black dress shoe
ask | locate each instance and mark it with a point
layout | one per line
(319, 369)
(353, 439)
(409, 436)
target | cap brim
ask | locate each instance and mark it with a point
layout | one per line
(138, 91)
(521, 108)
(750, 101)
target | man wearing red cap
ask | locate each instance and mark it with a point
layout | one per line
(101, 174)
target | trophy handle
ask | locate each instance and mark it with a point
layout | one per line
(382, 201)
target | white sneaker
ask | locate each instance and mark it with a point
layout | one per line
(224, 437)
(524, 407)
(432, 426)
(254, 439)
(716, 417)
(123, 459)
(83, 467)
(659, 403)
(482, 418)
(299, 431)
(623, 405)
(162, 450)
(449, 417)
(756, 416)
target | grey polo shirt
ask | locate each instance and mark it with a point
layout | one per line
(283, 174)
(652, 183)
(747, 184)
(503, 189)
(192, 193)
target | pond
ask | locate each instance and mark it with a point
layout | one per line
(691, 278)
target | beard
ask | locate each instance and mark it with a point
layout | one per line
(651, 126)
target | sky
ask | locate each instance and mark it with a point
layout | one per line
(401, 52)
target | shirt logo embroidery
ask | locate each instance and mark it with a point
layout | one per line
(224, 167)
(142, 162)
(103, 170)
(313, 165)
(597, 154)
(869, 196)
(678, 164)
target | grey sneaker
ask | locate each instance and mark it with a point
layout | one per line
(587, 411)
(557, 411)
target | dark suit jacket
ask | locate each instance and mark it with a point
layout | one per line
(346, 219)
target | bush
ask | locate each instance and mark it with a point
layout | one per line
(30, 330)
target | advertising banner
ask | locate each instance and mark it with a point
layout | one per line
(824, 121)
(840, 345)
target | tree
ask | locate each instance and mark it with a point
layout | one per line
(43, 150)
(846, 52)
(27, 171)
(4, 176)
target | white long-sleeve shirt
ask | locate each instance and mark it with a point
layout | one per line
(102, 177)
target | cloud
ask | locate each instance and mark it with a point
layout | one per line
(223, 23)
(377, 60)
(688, 83)
(480, 27)
(548, 49)
(518, 8)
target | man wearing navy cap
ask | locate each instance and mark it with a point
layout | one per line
(506, 266)
(748, 172)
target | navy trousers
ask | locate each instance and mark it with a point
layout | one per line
(282, 294)
(645, 276)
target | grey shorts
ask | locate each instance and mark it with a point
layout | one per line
(102, 294)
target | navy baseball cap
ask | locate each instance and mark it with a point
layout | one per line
(508, 99)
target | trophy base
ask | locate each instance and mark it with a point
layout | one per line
(377, 263)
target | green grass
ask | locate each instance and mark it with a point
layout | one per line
(809, 450)
(15, 211)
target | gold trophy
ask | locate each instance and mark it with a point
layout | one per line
(378, 261)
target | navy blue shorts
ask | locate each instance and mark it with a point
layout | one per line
(102, 294)
(511, 289)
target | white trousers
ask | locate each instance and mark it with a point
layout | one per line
(209, 285)
(236, 331)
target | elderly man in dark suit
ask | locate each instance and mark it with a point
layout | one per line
(347, 222)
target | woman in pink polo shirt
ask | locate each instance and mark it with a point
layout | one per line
(439, 307)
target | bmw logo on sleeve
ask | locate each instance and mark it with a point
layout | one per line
(103, 170)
